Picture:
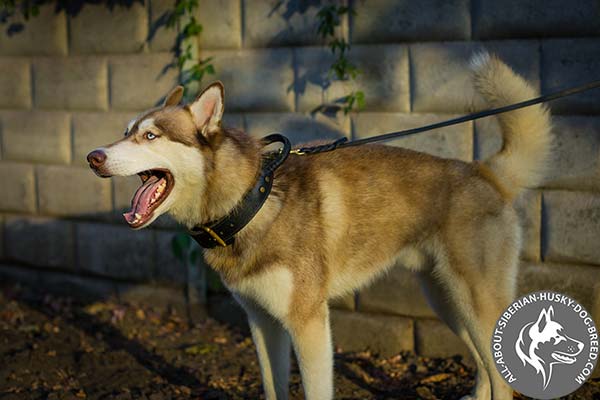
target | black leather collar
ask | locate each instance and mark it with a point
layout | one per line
(222, 232)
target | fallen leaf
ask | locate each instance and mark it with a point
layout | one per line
(200, 349)
(435, 378)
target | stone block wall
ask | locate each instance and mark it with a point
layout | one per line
(71, 83)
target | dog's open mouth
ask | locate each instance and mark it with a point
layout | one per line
(563, 358)
(156, 186)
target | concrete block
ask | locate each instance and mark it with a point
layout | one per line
(43, 242)
(98, 28)
(15, 82)
(383, 334)
(2, 252)
(77, 83)
(83, 288)
(18, 182)
(529, 207)
(581, 282)
(225, 309)
(487, 138)
(168, 267)
(57, 186)
(434, 339)
(571, 227)
(221, 21)
(538, 18)
(45, 34)
(124, 189)
(575, 161)
(10, 273)
(39, 136)
(343, 303)
(270, 23)
(234, 120)
(567, 63)
(384, 78)
(115, 251)
(95, 129)
(441, 78)
(154, 296)
(451, 142)
(381, 21)
(160, 37)
(255, 80)
(299, 128)
(140, 81)
(397, 292)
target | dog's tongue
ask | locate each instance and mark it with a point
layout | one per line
(141, 200)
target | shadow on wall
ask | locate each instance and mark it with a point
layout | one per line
(70, 7)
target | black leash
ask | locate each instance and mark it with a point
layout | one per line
(343, 142)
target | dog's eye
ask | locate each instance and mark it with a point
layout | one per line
(150, 135)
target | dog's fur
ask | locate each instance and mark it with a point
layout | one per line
(543, 343)
(335, 221)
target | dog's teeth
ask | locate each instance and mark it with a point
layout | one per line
(137, 216)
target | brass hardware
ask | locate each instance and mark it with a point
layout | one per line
(262, 189)
(267, 179)
(214, 235)
(297, 152)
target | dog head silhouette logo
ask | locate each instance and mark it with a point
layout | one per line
(544, 343)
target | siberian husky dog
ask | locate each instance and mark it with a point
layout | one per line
(335, 221)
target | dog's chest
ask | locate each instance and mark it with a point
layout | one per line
(271, 289)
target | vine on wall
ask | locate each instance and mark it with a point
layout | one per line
(342, 69)
(192, 69)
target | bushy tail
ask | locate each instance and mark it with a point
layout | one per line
(526, 151)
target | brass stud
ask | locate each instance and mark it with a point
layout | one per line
(231, 225)
(267, 179)
(262, 189)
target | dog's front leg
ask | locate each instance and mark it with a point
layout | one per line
(311, 337)
(273, 347)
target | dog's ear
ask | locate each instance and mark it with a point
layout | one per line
(174, 97)
(544, 318)
(207, 109)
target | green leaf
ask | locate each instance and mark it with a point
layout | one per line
(180, 245)
(360, 99)
(194, 256)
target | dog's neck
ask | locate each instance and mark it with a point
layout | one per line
(231, 171)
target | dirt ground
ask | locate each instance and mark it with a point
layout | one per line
(54, 348)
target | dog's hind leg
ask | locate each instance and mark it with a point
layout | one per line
(437, 296)
(311, 337)
(477, 269)
(273, 347)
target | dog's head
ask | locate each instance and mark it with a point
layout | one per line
(166, 146)
(544, 343)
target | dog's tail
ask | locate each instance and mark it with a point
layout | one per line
(525, 155)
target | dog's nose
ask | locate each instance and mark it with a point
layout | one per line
(96, 158)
